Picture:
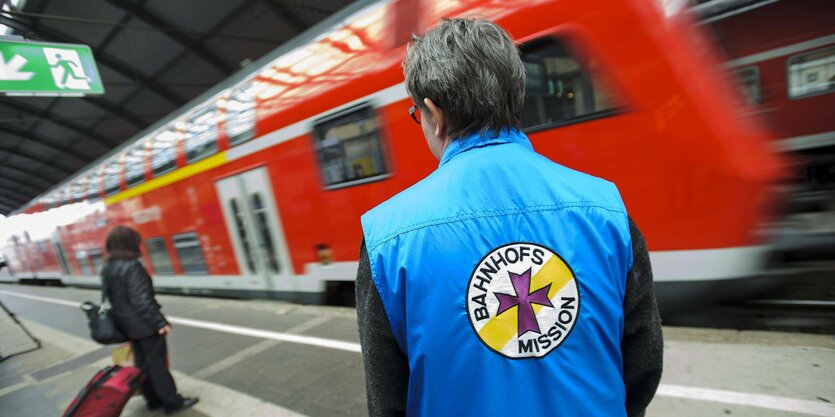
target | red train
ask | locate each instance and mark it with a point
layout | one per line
(257, 187)
(784, 55)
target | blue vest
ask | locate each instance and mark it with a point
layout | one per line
(503, 276)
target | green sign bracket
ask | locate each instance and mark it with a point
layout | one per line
(29, 68)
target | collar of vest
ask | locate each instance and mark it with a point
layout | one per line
(480, 140)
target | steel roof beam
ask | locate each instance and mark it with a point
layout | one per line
(17, 195)
(119, 110)
(176, 60)
(31, 175)
(12, 191)
(5, 210)
(174, 32)
(102, 57)
(10, 211)
(14, 202)
(63, 172)
(53, 118)
(17, 183)
(287, 13)
(11, 182)
(11, 200)
(111, 35)
(41, 140)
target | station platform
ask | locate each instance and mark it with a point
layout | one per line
(267, 358)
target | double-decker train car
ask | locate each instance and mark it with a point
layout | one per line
(787, 69)
(256, 188)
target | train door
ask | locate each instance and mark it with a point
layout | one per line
(253, 222)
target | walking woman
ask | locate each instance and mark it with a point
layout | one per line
(137, 314)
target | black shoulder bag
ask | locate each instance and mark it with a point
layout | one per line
(102, 327)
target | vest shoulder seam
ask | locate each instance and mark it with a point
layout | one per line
(488, 213)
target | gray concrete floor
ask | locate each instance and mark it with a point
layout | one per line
(707, 372)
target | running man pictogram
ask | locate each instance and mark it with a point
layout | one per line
(69, 69)
(66, 69)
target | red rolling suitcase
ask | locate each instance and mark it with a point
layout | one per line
(107, 393)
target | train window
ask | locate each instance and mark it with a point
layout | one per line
(164, 152)
(64, 196)
(96, 258)
(47, 202)
(94, 187)
(81, 257)
(201, 134)
(749, 78)
(263, 226)
(812, 73)
(135, 166)
(188, 250)
(241, 227)
(160, 259)
(240, 114)
(112, 181)
(78, 190)
(349, 148)
(50, 203)
(561, 88)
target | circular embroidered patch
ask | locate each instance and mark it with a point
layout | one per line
(522, 300)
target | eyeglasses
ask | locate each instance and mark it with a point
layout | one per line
(413, 111)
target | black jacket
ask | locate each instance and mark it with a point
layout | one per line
(134, 308)
(387, 367)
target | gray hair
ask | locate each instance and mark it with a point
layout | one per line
(471, 69)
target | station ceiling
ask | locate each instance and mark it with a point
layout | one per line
(153, 57)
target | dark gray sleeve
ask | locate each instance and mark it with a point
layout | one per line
(386, 367)
(141, 296)
(642, 344)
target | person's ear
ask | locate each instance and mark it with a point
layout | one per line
(438, 116)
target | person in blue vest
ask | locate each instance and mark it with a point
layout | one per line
(503, 284)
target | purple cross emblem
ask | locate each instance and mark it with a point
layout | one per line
(524, 299)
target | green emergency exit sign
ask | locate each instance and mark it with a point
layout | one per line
(47, 69)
